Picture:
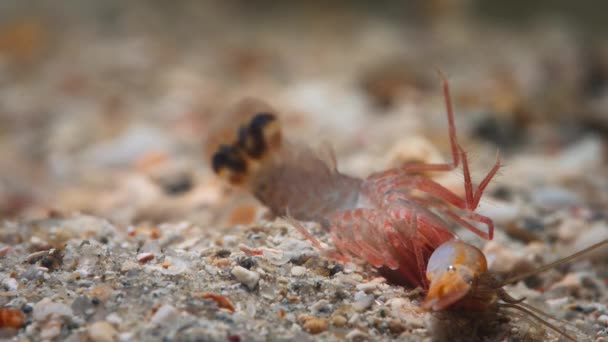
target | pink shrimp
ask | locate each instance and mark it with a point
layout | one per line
(379, 219)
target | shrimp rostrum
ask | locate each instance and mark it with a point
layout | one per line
(397, 220)
(393, 219)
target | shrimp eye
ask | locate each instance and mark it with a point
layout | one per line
(451, 268)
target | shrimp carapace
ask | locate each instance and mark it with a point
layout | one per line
(459, 280)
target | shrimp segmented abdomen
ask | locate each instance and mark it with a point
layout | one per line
(400, 236)
(358, 232)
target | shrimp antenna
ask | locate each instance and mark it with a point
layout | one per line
(556, 263)
(537, 317)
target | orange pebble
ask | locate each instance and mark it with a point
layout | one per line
(222, 301)
(11, 318)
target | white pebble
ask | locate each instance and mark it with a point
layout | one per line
(11, 284)
(603, 319)
(297, 271)
(230, 240)
(557, 302)
(554, 197)
(246, 277)
(370, 285)
(321, 307)
(114, 318)
(46, 307)
(163, 314)
(362, 301)
(126, 337)
(102, 331)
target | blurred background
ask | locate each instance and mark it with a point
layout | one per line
(114, 108)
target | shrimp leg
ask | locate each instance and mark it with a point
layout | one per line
(418, 168)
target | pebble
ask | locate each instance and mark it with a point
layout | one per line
(11, 318)
(163, 314)
(356, 335)
(571, 282)
(315, 325)
(501, 212)
(246, 277)
(362, 301)
(102, 331)
(11, 284)
(552, 198)
(4, 251)
(321, 307)
(298, 271)
(596, 232)
(505, 260)
(50, 329)
(114, 318)
(45, 308)
(144, 257)
(370, 285)
(570, 228)
(338, 321)
(557, 302)
(603, 319)
(413, 149)
(396, 327)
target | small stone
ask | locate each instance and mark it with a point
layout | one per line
(396, 327)
(315, 325)
(144, 257)
(128, 266)
(603, 319)
(11, 318)
(411, 150)
(362, 301)
(5, 250)
(222, 301)
(557, 302)
(335, 270)
(223, 253)
(321, 307)
(504, 260)
(11, 284)
(298, 271)
(163, 314)
(370, 285)
(102, 331)
(572, 282)
(356, 335)
(114, 318)
(338, 321)
(246, 277)
(246, 262)
(46, 307)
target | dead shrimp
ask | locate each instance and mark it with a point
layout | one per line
(382, 219)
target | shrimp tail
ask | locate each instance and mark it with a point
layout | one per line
(241, 160)
(282, 175)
